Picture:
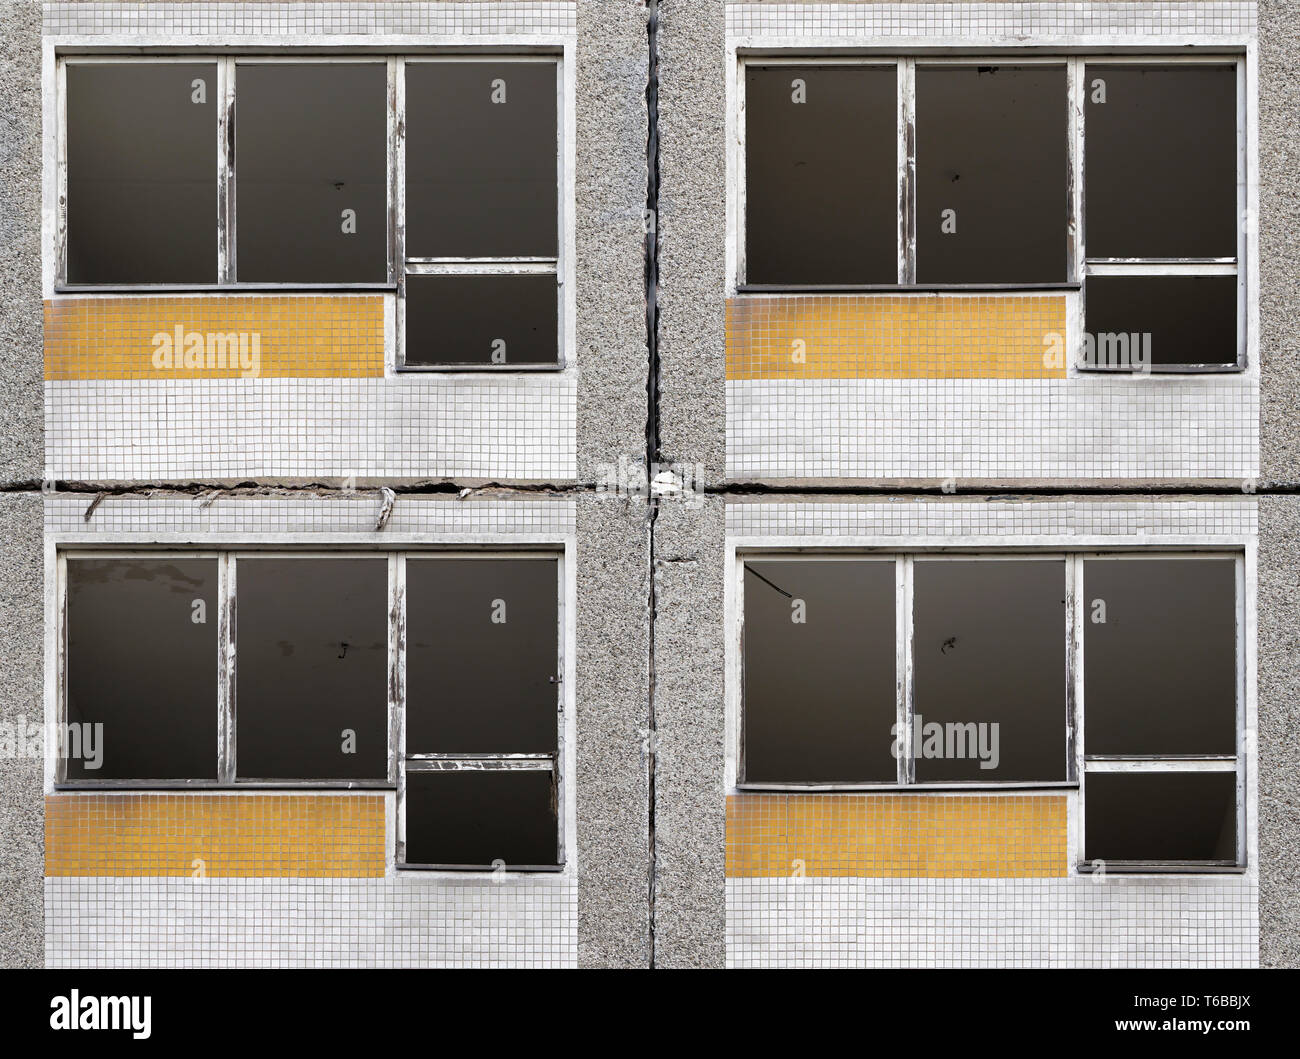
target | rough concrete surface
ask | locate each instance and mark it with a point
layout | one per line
(613, 652)
(22, 827)
(692, 234)
(690, 711)
(22, 434)
(1279, 731)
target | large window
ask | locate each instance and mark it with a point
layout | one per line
(1121, 178)
(1120, 673)
(436, 178)
(438, 675)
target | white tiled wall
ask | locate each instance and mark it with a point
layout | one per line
(394, 922)
(1211, 922)
(487, 427)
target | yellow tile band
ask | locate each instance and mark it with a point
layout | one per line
(215, 836)
(896, 836)
(913, 336)
(220, 336)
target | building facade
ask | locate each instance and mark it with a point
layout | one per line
(677, 484)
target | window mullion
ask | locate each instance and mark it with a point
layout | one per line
(907, 171)
(226, 668)
(1076, 95)
(906, 690)
(396, 663)
(226, 171)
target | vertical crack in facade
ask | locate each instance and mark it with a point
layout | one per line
(652, 428)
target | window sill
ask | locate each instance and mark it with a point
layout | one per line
(901, 288)
(903, 788)
(147, 289)
(212, 786)
(484, 369)
(484, 869)
(1140, 868)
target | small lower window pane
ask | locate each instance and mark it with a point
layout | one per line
(989, 670)
(312, 669)
(481, 320)
(1146, 816)
(142, 669)
(820, 685)
(481, 817)
(1134, 323)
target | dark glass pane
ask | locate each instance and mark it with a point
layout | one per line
(820, 687)
(482, 320)
(1160, 656)
(142, 173)
(991, 166)
(311, 163)
(1139, 321)
(1161, 816)
(142, 662)
(481, 159)
(478, 817)
(482, 655)
(312, 667)
(989, 670)
(821, 174)
(1161, 161)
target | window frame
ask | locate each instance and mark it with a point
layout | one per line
(398, 266)
(225, 666)
(1078, 266)
(1078, 763)
(1153, 764)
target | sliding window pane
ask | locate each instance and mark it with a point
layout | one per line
(1160, 656)
(482, 656)
(1161, 161)
(312, 669)
(311, 170)
(821, 174)
(477, 818)
(481, 320)
(989, 670)
(142, 663)
(991, 168)
(820, 684)
(142, 173)
(481, 159)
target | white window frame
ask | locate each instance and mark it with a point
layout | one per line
(1078, 763)
(398, 266)
(225, 662)
(1078, 266)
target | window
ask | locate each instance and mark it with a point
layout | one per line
(991, 168)
(978, 692)
(1122, 179)
(1163, 229)
(1161, 679)
(438, 675)
(141, 674)
(820, 699)
(989, 656)
(311, 182)
(437, 179)
(482, 691)
(311, 683)
(1121, 673)
(141, 173)
(820, 189)
(482, 237)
